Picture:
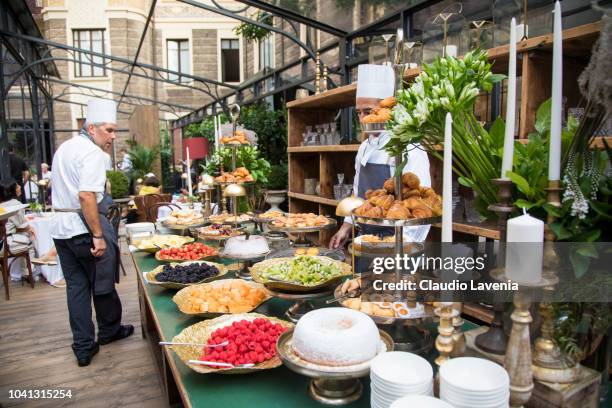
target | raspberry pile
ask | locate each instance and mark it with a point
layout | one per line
(248, 342)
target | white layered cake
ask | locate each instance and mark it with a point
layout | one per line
(336, 336)
(241, 246)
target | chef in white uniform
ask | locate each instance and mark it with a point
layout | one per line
(373, 165)
(85, 241)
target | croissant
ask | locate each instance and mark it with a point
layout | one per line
(376, 193)
(432, 200)
(410, 180)
(384, 113)
(375, 212)
(398, 211)
(407, 193)
(385, 201)
(390, 185)
(388, 102)
(422, 212)
(363, 209)
(427, 191)
(412, 203)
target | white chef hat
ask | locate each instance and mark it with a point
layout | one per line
(375, 81)
(101, 111)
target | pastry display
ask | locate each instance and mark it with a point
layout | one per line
(240, 175)
(229, 218)
(156, 242)
(271, 215)
(222, 296)
(245, 247)
(300, 220)
(219, 231)
(184, 218)
(307, 251)
(191, 272)
(239, 138)
(336, 337)
(417, 201)
(377, 244)
(382, 113)
(303, 270)
(187, 252)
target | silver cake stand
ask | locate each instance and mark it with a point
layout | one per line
(301, 304)
(245, 261)
(329, 385)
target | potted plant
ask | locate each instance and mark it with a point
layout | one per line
(277, 186)
(120, 184)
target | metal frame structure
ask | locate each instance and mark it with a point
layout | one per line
(28, 59)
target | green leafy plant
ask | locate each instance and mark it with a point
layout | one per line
(452, 85)
(271, 128)
(120, 184)
(205, 128)
(253, 32)
(165, 152)
(142, 157)
(278, 179)
(248, 157)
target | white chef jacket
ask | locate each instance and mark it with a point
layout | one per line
(78, 165)
(47, 175)
(30, 190)
(372, 150)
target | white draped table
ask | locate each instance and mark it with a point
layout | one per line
(42, 245)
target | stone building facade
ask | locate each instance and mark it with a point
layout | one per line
(120, 23)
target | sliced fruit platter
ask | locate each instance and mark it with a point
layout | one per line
(181, 275)
(156, 242)
(221, 297)
(231, 344)
(303, 273)
(190, 252)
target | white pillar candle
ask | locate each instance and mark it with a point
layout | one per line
(450, 51)
(525, 243)
(216, 134)
(447, 181)
(189, 187)
(510, 104)
(554, 154)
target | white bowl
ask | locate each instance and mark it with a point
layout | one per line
(456, 399)
(420, 401)
(459, 391)
(384, 389)
(401, 368)
(474, 374)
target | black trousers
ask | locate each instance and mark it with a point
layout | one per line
(78, 265)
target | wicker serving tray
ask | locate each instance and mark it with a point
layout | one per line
(151, 275)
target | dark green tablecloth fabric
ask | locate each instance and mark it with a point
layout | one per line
(279, 387)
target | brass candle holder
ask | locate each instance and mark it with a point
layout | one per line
(318, 74)
(494, 340)
(550, 364)
(459, 343)
(325, 78)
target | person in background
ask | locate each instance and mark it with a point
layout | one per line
(85, 241)
(150, 185)
(19, 170)
(126, 162)
(46, 173)
(20, 234)
(30, 188)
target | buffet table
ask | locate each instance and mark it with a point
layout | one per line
(161, 321)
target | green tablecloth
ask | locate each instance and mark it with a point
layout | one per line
(279, 387)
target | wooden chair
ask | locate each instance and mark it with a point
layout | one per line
(152, 210)
(152, 199)
(6, 265)
(114, 218)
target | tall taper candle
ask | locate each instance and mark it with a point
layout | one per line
(510, 104)
(447, 182)
(189, 187)
(216, 134)
(554, 154)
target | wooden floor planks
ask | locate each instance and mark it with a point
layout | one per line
(35, 353)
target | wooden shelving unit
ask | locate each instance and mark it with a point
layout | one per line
(324, 162)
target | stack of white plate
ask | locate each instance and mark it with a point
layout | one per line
(396, 374)
(469, 382)
(419, 401)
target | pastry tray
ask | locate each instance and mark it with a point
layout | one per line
(331, 224)
(386, 222)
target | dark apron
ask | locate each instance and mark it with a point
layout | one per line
(107, 266)
(372, 177)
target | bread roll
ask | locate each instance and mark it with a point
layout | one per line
(410, 180)
(390, 185)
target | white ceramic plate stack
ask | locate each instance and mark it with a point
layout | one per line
(396, 374)
(469, 382)
(419, 401)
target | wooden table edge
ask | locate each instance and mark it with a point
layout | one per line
(167, 353)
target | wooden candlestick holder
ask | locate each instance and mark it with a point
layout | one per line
(550, 364)
(495, 340)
